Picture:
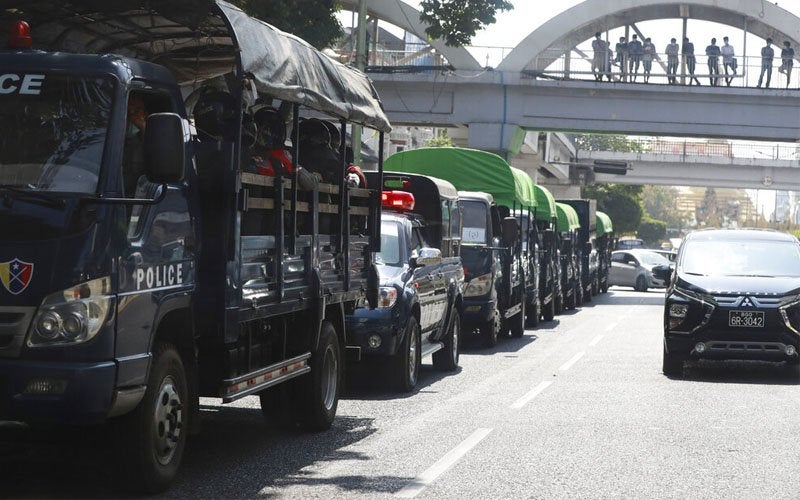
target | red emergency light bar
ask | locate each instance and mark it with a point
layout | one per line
(19, 37)
(401, 201)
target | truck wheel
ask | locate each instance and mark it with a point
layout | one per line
(587, 294)
(446, 359)
(517, 326)
(534, 313)
(672, 364)
(569, 303)
(604, 287)
(578, 294)
(559, 303)
(153, 435)
(641, 284)
(489, 331)
(550, 310)
(407, 361)
(595, 287)
(319, 389)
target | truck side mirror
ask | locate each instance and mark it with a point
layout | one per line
(427, 257)
(164, 148)
(510, 231)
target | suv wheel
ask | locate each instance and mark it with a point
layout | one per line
(641, 284)
(446, 359)
(672, 364)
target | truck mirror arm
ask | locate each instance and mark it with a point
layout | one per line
(129, 201)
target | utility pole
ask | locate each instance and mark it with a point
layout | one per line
(360, 54)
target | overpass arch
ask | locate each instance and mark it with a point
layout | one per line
(405, 16)
(579, 23)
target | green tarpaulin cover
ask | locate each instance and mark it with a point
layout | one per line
(567, 218)
(604, 225)
(468, 170)
(545, 203)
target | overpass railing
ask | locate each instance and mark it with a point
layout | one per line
(580, 65)
(692, 148)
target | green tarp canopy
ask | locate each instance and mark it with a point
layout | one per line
(567, 218)
(468, 170)
(604, 225)
(545, 204)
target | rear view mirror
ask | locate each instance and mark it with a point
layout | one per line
(164, 148)
(510, 231)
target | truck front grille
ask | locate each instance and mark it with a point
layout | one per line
(14, 323)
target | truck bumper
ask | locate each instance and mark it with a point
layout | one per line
(74, 393)
(477, 311)
(378, 323)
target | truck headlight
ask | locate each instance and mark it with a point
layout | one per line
(479, 286)
(73, 315)
(387, 296)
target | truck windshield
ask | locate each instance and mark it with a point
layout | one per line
(474, 220)
(390, 245)
(52, 131)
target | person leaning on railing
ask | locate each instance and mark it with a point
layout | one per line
(728, 60)
(787, 61)
(672, 51)
(691, 62)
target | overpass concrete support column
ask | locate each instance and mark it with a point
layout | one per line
(496, 137)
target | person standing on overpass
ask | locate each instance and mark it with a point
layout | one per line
(648, 54)
(787, 61)
(622, 56)
(600, 48)
(767, 55)
(712, 51)
(672, 51)
(728, 60)
(635, 55)
(691, 62)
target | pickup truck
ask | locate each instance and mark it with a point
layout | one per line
(421, 281)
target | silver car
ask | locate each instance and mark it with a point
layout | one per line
(635, 268)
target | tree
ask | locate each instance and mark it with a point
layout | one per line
(652, 231)
(622, 203)
(457, 21)
(312, 20)
(442, 140)
(661, 203)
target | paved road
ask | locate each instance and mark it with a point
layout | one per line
(577, 408)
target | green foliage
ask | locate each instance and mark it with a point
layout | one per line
(312, 20)
(442, 140)
(621, 202)
(661, 203)
(652, 231)
(601, 142)
(457, 21)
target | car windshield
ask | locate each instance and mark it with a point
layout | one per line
(651, 259)
(52, 132)
(390, 245)
(474, 223)
(741, 258)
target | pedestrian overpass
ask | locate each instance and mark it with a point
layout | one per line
(545, 84)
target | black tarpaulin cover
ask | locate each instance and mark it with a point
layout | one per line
(197, 41)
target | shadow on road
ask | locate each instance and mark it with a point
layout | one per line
(741, 372)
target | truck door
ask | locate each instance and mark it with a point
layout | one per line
(426, 281)
(157, 263)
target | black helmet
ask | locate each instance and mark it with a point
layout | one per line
(313, 131)
(271, 128)
(336, 136)
(214, 114)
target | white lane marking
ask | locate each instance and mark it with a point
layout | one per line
(566, 366)
(611, 326)
(596, 340)
(419, 483)
(531, 394)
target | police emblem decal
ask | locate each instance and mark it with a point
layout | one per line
(16, 275)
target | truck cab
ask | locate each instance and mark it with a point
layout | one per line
(421, 281)
(568, 226)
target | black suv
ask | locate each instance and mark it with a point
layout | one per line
(735, 294)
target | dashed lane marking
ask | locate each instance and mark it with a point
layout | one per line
(566, 366)
(416, 486)
(611, 326)
(530, 395)
(596, 340)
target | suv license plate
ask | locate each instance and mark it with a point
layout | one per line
(748, 319)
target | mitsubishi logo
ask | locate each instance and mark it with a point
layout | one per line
(747, 302)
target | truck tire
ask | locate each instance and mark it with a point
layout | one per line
(446, 359)
(595, 286)
(570, 302)
(407, 363)
(319, 389)
(517, 322)
(641, 284)
(672, 364)
(578, 294)
(604, 286)
(153, 436)
(534, 313)
(489, 331)
(549, 311)
(587, 294)
(559, 302)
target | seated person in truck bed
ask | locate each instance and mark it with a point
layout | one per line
(315, 152)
